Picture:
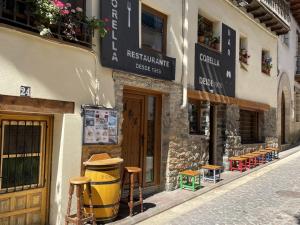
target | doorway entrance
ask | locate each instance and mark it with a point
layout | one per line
(217, 133)
(142, 133)
(283, 141)
(24, 169)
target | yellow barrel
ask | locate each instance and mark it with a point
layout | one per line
(105, 184)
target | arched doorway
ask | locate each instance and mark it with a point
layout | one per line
(283, 140)
(284, 106)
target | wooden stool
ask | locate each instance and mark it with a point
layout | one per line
(132, 171)
(80, 217)
(216, 171)
(237, 163)
(190, 180)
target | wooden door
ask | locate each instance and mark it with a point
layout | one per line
(282, 119)
(133, 129)
(141, 134)
(24, 169)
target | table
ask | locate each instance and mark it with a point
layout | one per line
(269, 155)
(275, 152)
(251, 160)
(216, 170)
(237, 163)
(190, 180)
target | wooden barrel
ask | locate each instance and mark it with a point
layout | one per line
(105, 184)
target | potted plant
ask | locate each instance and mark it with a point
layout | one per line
(208, 38)
(266, 64)
(215, 43)
(244, 56)
(51, 14)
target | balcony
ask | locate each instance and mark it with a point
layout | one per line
(274, 14)
(20, 14)
(295, 8)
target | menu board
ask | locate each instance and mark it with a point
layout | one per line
(100, 126)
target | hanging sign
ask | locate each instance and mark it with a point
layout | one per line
(100, 126)
(120, 47)
(215, 71)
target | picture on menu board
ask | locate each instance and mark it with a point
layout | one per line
(100, 126)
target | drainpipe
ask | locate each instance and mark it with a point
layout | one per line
(184, 58)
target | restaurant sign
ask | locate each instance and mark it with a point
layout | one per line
(215, 71)
(120, 47)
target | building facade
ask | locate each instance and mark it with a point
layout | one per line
(288, 88)
(191, 83)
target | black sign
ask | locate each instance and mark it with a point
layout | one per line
(214, 71)
(120, 47)
(25, 91)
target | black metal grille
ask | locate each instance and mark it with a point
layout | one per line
(23, 151)
(19, 13)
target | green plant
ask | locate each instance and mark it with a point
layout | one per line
(49, 13)
(215, 40)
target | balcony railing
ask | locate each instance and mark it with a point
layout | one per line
(280, 8)
(274, 14)
(19, 13)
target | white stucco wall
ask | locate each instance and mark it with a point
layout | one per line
(59, 72)
(251, 85)
(66, 163)
(287, 67)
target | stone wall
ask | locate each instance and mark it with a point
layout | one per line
(179, 150)
(174, 156)
(270, 123)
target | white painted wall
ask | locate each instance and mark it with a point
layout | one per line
(60, 72)
(66, 163)
(287, 67)
(252, 84)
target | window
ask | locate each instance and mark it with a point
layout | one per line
(207, 33)
(266, 62)
(244, 56)
(198, 117)
(154, 25)
(249, 127)
(22, 154)
(286, 39)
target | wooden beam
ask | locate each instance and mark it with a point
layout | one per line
(259, 15)
(271, 24)
(245, 104)
(35, 105)
(266, 19)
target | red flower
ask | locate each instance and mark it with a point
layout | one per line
(106, 19)
(64, 12)
(59, 4)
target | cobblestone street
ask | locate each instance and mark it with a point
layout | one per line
(268, 196)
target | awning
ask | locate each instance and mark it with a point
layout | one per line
(245, 104)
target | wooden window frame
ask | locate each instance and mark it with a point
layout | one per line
(257, 127)
(165, 33)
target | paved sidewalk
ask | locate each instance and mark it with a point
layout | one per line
(163, 201)
(269, 196)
